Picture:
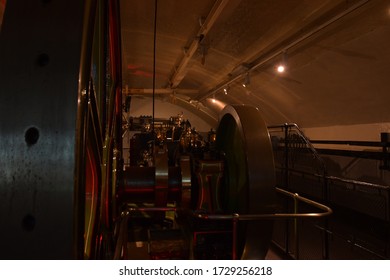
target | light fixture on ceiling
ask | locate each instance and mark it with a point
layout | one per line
(213, 100)
(281, 67)
(225, 90)
(247, 80)
(261, 61)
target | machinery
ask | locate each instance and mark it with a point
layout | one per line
(65, 191)
(227, 173)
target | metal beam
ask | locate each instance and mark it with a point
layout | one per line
(147, 91)
(181, 69)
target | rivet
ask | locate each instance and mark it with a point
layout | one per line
(31, 136)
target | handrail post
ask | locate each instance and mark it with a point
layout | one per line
(286, 158)
(292, 126)
(296, 236)
(326, 233)
(286, 175)
(121, 245)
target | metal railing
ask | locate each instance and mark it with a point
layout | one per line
(286, 128)
(121, 245)
(299, 162)
(235, 217)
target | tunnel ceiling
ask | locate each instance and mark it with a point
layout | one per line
(336, 52)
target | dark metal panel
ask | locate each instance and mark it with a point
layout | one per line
(40, 59)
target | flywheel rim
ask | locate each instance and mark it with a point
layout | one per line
(251, 169)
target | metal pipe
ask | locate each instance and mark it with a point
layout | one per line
(359, 183)
(348, 181)
(286, 184)
(167, 91)
(286, 159)
(150, 209)
(122, 238)
(251, 217)
(296, 236)
(82, 128)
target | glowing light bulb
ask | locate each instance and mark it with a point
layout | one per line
(281, 68)
(213, 100)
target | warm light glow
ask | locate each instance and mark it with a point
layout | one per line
(216, 103)
(225, 90)
(281, 68)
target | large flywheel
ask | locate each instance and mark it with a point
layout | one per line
(249, 186)
(60, 112)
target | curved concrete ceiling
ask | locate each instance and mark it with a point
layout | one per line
(337, 54)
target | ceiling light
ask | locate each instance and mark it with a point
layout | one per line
(281, 68)
(213, 100)
(247, 80)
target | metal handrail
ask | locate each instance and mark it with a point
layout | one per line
(250, 217)
(235, 217)
(305, 139)
(122, 235)
(330, 178)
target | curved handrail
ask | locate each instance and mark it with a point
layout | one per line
(235, 217)
(305, 139)
(247, 217)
